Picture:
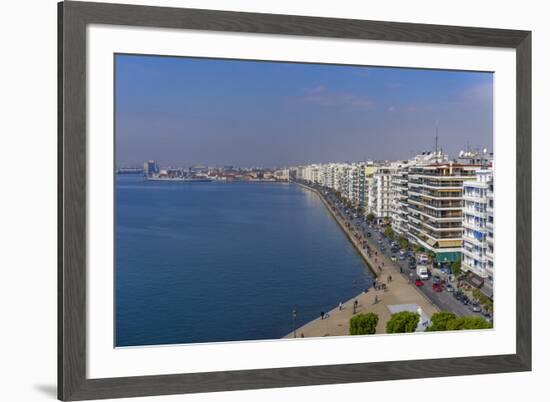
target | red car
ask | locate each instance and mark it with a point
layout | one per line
(437, 287)
(418, 282)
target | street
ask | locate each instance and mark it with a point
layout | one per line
(379, 244)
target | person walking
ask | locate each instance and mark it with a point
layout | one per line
(322, 315)
(340, 306)
(355, 303)
(375, 299)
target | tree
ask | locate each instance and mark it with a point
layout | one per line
(419, 249)
(404, 321)
(440, 321)
(370, 217)
(468, 323)
(403, 242)
(456, 268)
(363, 324)
(486, 302)
(446, 321)
(389, 232)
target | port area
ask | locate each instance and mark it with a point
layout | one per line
(399, 293)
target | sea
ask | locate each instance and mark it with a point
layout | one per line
(219, 262)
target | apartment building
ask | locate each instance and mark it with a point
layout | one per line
(477, 223)
(379, 193)
(435, 207)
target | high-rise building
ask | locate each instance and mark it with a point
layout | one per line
(477, 223)
(150, 167)
(435, 207)
(379, 193)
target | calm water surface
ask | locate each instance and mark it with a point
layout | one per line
(209, 262)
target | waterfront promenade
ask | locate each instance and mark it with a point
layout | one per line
(398, 292)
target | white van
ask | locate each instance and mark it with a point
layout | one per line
(422, 272)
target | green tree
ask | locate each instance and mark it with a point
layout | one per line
(403, 242)
(441, 320)
(446, 321)
(363, 324)
(456, 268)
(389, 232)
(404, 321)
(486, 302)
(419, 249)
(370, 217)
(468, 323)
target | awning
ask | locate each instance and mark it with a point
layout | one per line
(475, 280)
(431, 242)
(447, 257)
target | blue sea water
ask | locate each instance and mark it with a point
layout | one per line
(210, 262)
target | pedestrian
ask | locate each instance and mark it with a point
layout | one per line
(302, 335)
(340, 306)
(322, 315)
(389, 278)
(375, 299)
(355, 303)
(374, 284)
(400, 269)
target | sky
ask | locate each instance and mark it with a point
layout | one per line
(186, 111)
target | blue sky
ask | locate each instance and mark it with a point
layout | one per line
(184, 111)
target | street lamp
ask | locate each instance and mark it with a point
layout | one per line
(294, 321)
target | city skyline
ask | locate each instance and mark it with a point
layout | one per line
(185, 111)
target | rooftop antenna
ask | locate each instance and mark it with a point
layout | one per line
(436, 141)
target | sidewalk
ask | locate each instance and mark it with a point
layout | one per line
(399, 291)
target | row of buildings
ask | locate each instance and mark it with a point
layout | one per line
(443, 205)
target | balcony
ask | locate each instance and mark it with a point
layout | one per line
(474, 212)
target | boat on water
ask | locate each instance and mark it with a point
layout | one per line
(180, 179)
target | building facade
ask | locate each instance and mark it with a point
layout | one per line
(477, 222)
(435, 207)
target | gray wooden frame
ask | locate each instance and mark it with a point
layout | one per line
(73, 17)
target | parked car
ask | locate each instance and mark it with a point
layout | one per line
(436, 279)
(449, 288)
(368, 234)
(465, 300)
(382, 248)
(418, 282)
(393, 258)
(487, 315)
(437, 287)
(475, 308)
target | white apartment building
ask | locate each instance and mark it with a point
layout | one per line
(379, 193)
(477, 223)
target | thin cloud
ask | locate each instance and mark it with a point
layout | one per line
(478, 93)
(322, 96)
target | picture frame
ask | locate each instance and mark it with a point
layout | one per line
(73, 20)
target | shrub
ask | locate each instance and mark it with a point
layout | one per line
(404, 321)
(446, 321)
(440, 321)
(363, 324)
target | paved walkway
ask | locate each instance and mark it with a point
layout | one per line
(398, 291)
